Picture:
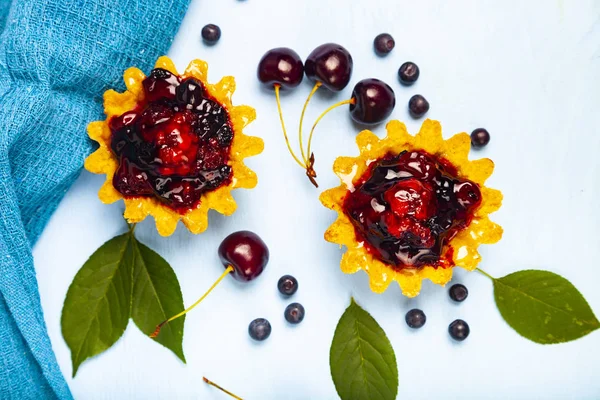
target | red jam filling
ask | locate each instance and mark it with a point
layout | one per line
(174, 145)
(406, 208)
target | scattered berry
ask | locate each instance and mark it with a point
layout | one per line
(294, 313)
(459, 330)
(383, 43)
(458, 292)
(330, 64)
(418, 106)
(280, 66)
(408, 73)
(287, 285)
(246, 253)
(480, 137)
(374, 101)
(211, 34)
(259, 329)
(415, 318)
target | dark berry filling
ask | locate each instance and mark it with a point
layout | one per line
(407, 207)
(174, 145)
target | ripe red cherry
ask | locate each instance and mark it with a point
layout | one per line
(243, 254)
(330, 64)
(280, 66)
(246, 253)
(374, 101)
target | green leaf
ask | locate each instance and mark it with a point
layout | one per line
(362, 360)
(122, 279)
(543, 307)
(156, 297)
(97, 306)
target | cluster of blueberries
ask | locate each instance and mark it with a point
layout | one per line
(260, 328)
(458, 329)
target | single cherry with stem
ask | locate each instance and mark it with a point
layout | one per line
(243, 254)
(375, 101)
(206, 380)
(282, 69)
(330, 65)
(372, 102)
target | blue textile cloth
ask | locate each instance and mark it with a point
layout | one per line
(57, 57)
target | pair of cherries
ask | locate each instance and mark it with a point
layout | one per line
(330, 66)
(243, 254)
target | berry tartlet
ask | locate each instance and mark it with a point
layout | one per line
(172, 146)
(412, 207)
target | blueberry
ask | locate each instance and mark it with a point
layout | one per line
(211, 34)
(458, 292)
(383, 44)
(294, 313)
(459, 330)
(225, 135)
(480, 137)
(408, 73)
(415, 318)
(287, 285)
(418, 106)
(259, 329)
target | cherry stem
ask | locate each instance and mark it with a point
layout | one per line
(159, 326)
(309, 168)
(287, 141)
(220, 388)
(312, 92)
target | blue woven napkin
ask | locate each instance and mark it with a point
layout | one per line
(57, 57)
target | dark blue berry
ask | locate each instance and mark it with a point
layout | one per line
(294, 313)
(259, 329)
(415, 318)
(459, 330)
(383, 44)
(287, 285)
(418, 106)
(458, 292)
(211, 34)
(225, 135)
(480, 137)
(408, 73)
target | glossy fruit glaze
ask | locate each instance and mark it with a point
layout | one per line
(407, 207)
(174, 145)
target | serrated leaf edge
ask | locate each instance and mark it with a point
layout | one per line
(167, 326)
(75, 364)
(594, 324)
(354, 308)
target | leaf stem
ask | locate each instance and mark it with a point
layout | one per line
(131, 228)
(159, 326)
(220, 388)
(485, 273)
